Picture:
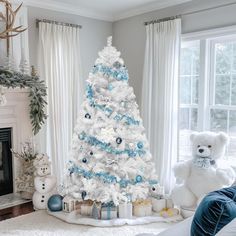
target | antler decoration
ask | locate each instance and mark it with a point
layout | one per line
(9, 19)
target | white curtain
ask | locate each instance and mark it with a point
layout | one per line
(59, 65)
(160, 95)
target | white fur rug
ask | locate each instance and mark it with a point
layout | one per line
(41, 224)
(73, 218)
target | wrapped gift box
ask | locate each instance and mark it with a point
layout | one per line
(108, 211)
(70, 204)
(86, 208)
(142, 208)
(125, 210)
(158, 204)
(96, 210)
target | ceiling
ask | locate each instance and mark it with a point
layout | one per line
(110, 10)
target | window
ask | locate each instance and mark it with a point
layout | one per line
(207, 90)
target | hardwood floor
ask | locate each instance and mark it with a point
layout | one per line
(15, 211)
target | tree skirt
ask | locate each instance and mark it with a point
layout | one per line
(39, 223)
(74, 218)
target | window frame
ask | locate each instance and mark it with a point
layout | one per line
(207, 40)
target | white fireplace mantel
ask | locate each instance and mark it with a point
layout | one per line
(15, 114)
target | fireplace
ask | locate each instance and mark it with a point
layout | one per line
(6, 175)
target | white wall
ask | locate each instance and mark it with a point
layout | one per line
(129, 34)
(93, 35)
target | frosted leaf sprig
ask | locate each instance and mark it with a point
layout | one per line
(107, 110)
(107, 147)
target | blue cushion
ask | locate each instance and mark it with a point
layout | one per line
(215, 211)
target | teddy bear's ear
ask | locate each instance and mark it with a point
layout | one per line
(224, 138)
(193, 135)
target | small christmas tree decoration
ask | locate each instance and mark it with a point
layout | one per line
(24, 65)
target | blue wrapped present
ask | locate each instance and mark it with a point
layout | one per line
(108, 211)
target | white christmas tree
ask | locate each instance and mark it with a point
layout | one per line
(110, 158)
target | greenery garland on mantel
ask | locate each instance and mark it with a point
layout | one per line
(37, 94)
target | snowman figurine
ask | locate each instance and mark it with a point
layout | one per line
(44, 182)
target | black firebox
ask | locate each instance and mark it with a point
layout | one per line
(6, 176)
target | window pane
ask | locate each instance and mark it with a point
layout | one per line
(219, 120)
(195, 80)
(185, 147)
(222, 90)
(185, 63)
(233, 90)
(194, 116)
(223, 53)
(189, 72)
(234, 58)
(232, 149)
(232, 123)
(184, 118)
(185, 89)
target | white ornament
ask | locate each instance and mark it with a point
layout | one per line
(107, 134)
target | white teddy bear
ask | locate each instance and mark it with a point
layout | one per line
(203, 173)
(44, 182)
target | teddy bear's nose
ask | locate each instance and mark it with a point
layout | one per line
(201, 150)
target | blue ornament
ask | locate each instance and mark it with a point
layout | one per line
(140, 145)
(82, 136)
(138, 179)
(84, 160)
(87, 116)
(123, 183)
(83, 194)
(55, 202)
(117, 65)
(110, 87)
(152, 182)
(119, 140)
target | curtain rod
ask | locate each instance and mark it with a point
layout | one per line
(188, 13)
(57, 23)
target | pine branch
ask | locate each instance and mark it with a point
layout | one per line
(38, 92)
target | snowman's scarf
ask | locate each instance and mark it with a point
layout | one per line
(203, 162)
